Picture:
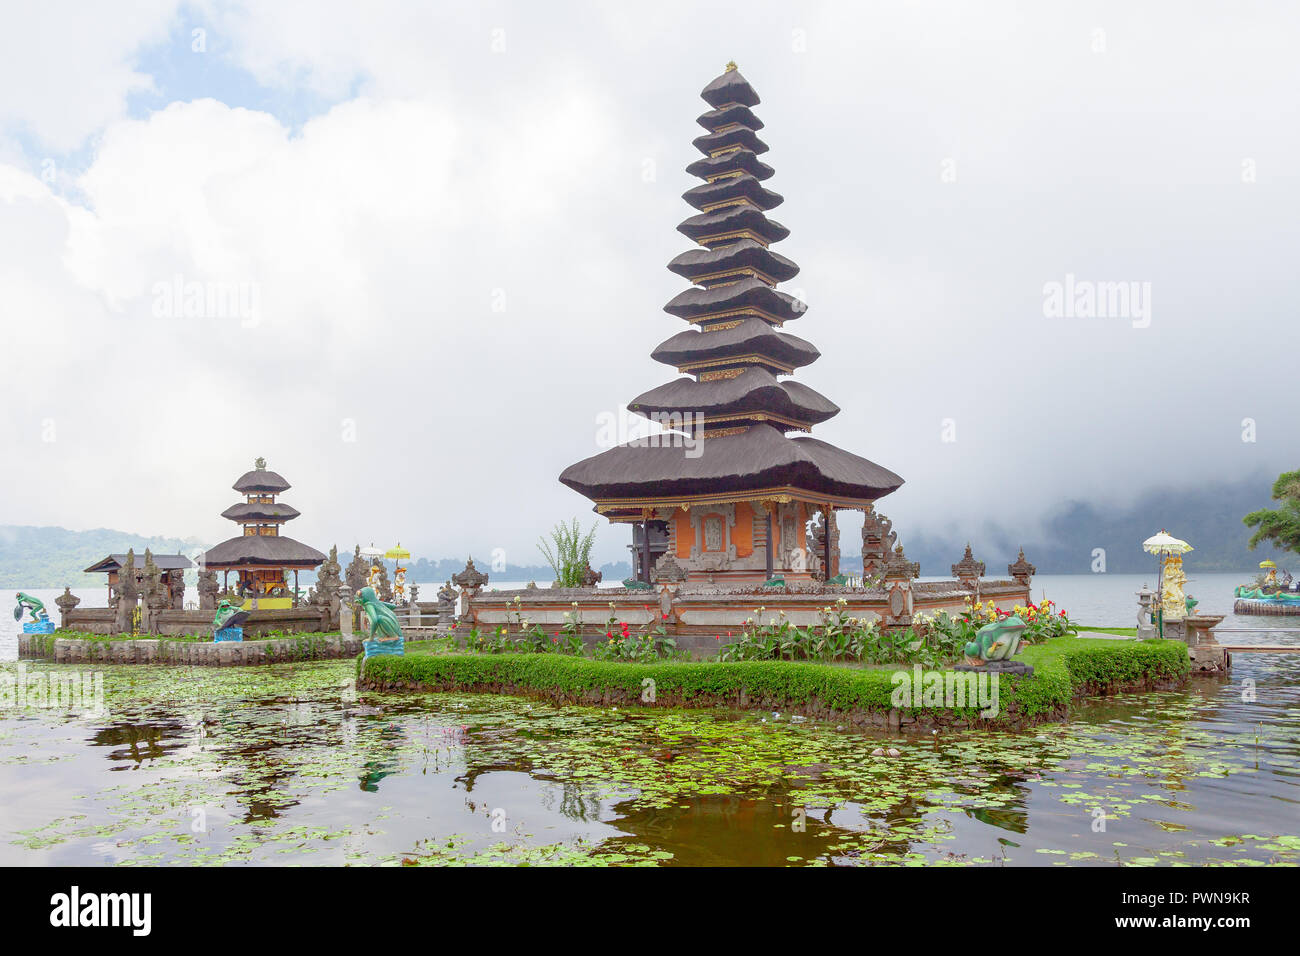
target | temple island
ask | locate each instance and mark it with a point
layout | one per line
(733, 504)
(146, 593)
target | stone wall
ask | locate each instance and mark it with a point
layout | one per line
(699, 620)
(64, 650)
(100, 620)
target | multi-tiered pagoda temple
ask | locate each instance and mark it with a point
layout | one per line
(737, 506)
(261, 555)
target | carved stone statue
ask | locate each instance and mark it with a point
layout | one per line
(819, 545)
(446, 608)
(591, 578)
(357, 571)
(878, 541)
(176, 588)
(208, 588)
(1173, 602)
(127, 594)
(997, 641)
(377, 578)
(326, 592)
(385, 633)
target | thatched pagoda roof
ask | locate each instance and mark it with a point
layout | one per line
(755, 391)
(758, 462)
(734, 354)
(274, 511)
(751, 337)
(272, 550)
(733, 187)
(259, 480)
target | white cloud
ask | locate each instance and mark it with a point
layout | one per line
(448, 178)
(67, 68)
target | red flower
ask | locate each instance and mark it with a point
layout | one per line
(665, 617)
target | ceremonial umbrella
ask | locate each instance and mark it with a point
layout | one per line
(398, 553)
(1163, 544)
(1268, 564)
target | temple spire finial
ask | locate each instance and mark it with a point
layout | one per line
(731, 66)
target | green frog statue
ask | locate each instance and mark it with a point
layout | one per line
(383, 622)
(35, 605)
(228, 615)
(997, 641)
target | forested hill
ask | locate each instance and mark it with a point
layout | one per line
(1208, 516)
(56, 557)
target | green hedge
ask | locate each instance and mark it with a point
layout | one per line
(1064, 668)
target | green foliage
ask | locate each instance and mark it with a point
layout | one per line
(840, 637)
(1279, 526)
(572, 552)
(1065, 668)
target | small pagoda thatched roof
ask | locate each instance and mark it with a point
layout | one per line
(260, 480)
(274, 511)
(165, 562)
(262, 549)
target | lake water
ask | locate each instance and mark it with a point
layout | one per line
(290, 764)
(287, 765)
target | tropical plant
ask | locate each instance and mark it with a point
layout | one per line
(571, 555)
(1279, 526)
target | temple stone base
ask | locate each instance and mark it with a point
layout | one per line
(1209, 659)
(998, 667)
(192, 653)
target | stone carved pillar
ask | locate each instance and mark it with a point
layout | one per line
(344, 601)
(66, 602)
(1022, 571)
(469, 581)
(968, 571)
(898, 575)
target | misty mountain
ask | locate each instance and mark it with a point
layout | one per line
(1208, 516)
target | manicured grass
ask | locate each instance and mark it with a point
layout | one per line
(1118, 631)
(1064, 669)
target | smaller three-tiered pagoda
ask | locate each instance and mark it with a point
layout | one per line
(262, 556)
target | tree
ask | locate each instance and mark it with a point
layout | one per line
(1281, 525)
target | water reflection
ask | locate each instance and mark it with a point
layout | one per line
(294, 770)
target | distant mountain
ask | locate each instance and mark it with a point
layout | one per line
(1207, 517)
(442, 570)
(48, 557)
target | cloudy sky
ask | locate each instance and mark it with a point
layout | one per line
(443, 231)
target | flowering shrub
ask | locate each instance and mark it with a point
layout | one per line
(839, 637)
(1043, 622)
